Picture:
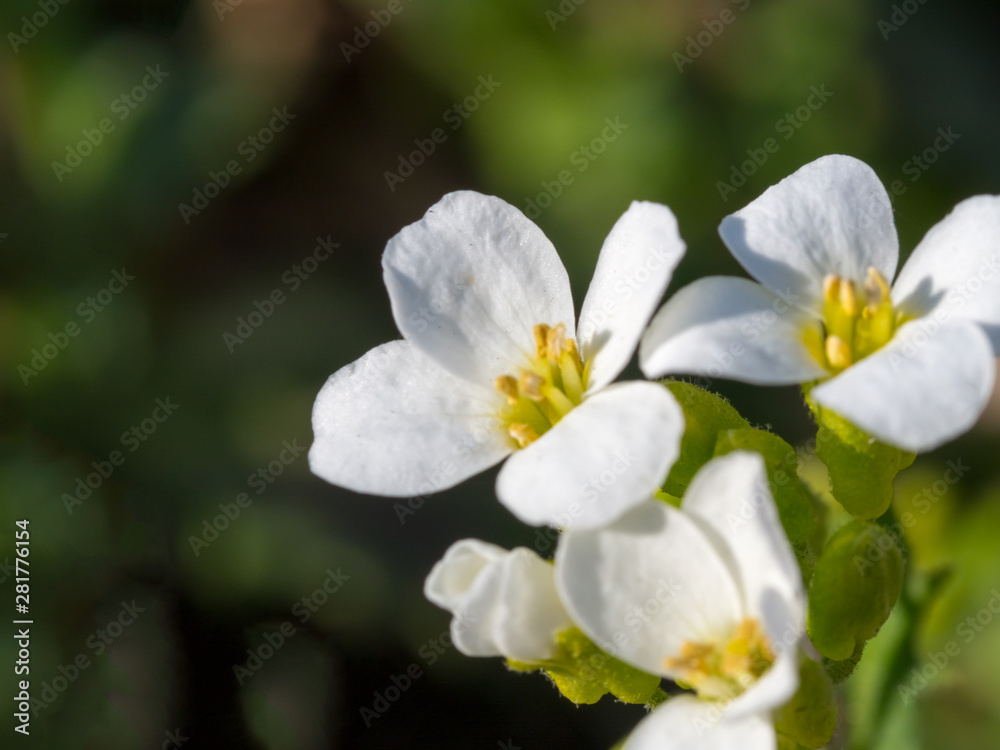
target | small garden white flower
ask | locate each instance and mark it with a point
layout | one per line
(911, 364)
(489, 366)
(504, 603)
(729, 626)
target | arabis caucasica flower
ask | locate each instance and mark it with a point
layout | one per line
(911, 364)
(491, 364)
(503, 603)
(729, 626)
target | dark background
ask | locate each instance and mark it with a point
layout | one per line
(166, 678)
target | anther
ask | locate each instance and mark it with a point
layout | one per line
(531, 384)
(831, 287)
(837, 352)
(555, 340)
(848, 297)
(523, 433)
(541, 332)
(507, 385)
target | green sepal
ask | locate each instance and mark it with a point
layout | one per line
(855, 584)
(861, 468)
(840, 670)
(810, 717)
(706, 415)
(584, 673)
(714, 428)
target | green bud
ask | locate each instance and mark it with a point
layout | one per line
(810, 717)
(855, 584)
(844, 668)
(861, 468)
(706, 415)
(584, 673)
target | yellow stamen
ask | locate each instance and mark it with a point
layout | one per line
(848, 297)
(541, 332)
(523, 433)
(554, 341)
(531, 384)
(831, 288)
(838, 353)
(559, 400)
(574, 355)
(507, 385)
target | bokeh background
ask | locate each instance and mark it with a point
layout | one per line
(226, 138)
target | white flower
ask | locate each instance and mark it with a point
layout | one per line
(912, 365)
(489, 366)
(709, 595)
(504, 603)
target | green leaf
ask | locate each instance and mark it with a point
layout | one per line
(810, 717)
(854, 586)
(861, 468)
(584, 673)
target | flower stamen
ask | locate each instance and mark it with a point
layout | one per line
(857, 320)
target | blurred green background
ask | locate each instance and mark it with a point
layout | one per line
(204, 148)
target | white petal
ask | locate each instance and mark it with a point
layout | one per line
(725, 327)
(831, 216)
(504, 603)
(607, 455)
(925, 387)
(531, 613)
(644, 585)
(774, 689)
(731, 498)
(686, 723)
(453, 575)
(633, 270)
(956, 268)
(469, 281)
(394, 423)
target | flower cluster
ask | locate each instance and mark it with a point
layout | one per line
(698, 556)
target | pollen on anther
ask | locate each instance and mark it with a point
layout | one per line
(531, 384)
(507, 385)
(541, 332)
(838, 353)
(523, 433)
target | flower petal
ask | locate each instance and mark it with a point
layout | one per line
(730, 328)
(453, 575)
(684, 723)
(644, 585)
(925, 387)
(633, 270)
(731, 499)
(504, 603)
(831, 216)
(774, 689)
(394, 423)
(956, 267)
(469, 281)
(607, 455)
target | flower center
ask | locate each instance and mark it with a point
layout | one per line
(856, 321)
(721, 671)
(547, 389)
